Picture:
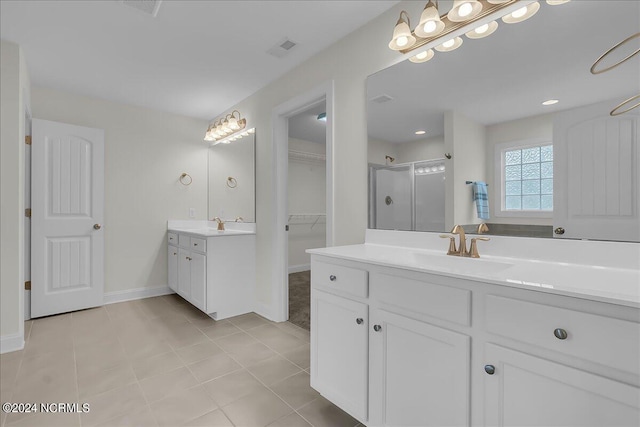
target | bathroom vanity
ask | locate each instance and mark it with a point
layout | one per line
(404, 335)
(213, 270)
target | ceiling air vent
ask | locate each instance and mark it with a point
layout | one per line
(282, 48)
(380, 99)
(150, 7)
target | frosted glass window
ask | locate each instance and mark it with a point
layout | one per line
(528, 178)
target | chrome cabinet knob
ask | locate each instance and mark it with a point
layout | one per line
(97, 226)
(359, 320)
(490, 369)
(377, 328)
(188, 258)
(560, 333)
(332, 278)
(559, 230)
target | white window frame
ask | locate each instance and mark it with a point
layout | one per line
(498, 194)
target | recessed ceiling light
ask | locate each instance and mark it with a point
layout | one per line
(420, 132)
(550, 102)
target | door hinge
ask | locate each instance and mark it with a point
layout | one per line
(27, 285)
(27, 139)
(27, 212)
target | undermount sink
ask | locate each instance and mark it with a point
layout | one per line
(461, 265)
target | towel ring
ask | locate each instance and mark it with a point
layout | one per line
(182, 179)
(595, 64)
(232, 182)
(617, 110)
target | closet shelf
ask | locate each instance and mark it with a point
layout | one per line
(304, 156)
(311, 219)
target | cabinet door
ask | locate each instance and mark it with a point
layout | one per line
(419, 373)
(339, 367)
(198, 280)
(184, 273)
(173, 267)
(527, 390)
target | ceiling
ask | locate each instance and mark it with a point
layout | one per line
(195, 58)
(306, 126)
(509, 74)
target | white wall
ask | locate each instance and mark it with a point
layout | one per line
(377, 150)
(145, 153)
(14, 102)
(465, 140)
(307, 194)
(424, 149)
(348, 63)
(529, 128)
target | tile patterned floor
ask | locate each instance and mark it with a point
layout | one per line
(161, 362)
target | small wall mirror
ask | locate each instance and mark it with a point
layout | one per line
(232, 182)
(521, 111)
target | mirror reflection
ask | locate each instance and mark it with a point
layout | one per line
(232, 180)
(521, 112)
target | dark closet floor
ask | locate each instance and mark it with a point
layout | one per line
(300, 299)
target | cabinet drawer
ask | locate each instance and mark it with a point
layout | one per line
(603, 340)
(172, 238)
(423, 298)
(184, 241)
(340, 278)
(199, 245)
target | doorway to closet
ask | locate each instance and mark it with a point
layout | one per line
(307, 214)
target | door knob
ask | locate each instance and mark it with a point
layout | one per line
(559, 230)
(377, 328)
(359, 320)
(97, 226)
(489, 369)
(560, 333)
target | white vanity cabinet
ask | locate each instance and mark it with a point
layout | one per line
(215, 274)
(445, 351)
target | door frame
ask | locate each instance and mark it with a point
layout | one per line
(280, 126)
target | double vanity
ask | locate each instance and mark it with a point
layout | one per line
(404, 335)
(213, 269)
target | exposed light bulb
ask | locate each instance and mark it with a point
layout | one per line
(448, 43)
(520, 12)
(482, 29)
(402, 41)
(465, 9)
(430, 26)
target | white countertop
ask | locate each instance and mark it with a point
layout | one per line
(617, 285)
(210, 228)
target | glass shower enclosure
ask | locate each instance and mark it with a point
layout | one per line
(407, 196)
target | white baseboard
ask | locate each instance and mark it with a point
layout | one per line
(299, 268)
(138, 293)
(13, 342)
(263, 310)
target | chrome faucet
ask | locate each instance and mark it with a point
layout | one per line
(220, 223)
(462, 246)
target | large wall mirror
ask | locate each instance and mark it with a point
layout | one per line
(521, 111)
(232, 182)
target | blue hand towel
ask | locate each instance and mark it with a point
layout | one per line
(481, 197)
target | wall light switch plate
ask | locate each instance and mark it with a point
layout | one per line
(192, 212)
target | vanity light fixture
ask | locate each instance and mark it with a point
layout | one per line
(449, 45)
(483, 30)
(423, 56)
(522, 14)
(225, 127)
(550, 102)
(231, 138)
(436, 29)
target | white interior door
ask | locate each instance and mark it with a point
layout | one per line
(596, 173)
(67, 202)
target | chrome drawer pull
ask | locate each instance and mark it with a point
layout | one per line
(560, 333)
(490, 369)
(377, 328)
(359, 320)
(332, 278)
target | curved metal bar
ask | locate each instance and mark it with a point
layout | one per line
(616, 111)
(595, 64)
